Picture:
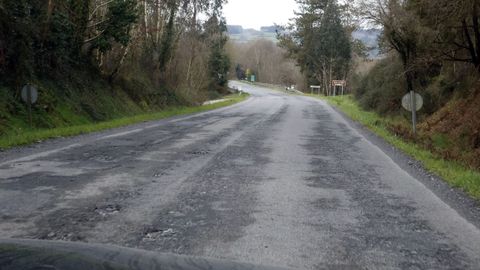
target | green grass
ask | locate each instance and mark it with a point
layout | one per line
(28, 136)
(454, 173)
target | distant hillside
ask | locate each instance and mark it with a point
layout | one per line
(234, 29)
(270, 29)
(238, 34)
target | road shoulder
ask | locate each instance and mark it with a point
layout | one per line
(460, 201)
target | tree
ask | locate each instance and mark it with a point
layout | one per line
(334, 45)
(17, 39)
(269, 61)
(114, 27)
(319, 42)
(168, 38)
(455, 29)
(219, 62)
(400, 31)
(239, 72)
(166, 41)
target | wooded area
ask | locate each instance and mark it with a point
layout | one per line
(319, 39)
(153, 53)
(100, 59)
(431, 47)
(264, 59)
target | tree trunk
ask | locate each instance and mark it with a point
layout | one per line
(48, 17)
(193, 46)
(159, 22)
(168, 39)
(470, 44)
(330, 75)
(81, 10)
(145, 19)
(120, 64)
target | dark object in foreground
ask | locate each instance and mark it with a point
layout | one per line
(36, 254)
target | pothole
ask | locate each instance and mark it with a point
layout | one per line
(199, 153)
(153, 234)
(106, 210)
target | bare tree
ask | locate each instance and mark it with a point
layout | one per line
(400, 31)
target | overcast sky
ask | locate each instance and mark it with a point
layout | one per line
(257, 13)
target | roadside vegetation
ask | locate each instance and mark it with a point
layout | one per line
(430, 47)
(264, 60)
(458, 174)
(99, 60)
(27, 135)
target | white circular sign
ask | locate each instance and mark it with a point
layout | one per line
(407, 102)
(29, 94)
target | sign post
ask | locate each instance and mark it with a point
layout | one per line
(30, 96)
(414, 112)
(313, 87)
(413, 102)
(341, 83)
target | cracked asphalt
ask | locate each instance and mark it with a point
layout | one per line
(278, 180)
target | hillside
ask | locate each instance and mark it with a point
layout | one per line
(237, 33)
(80, 99)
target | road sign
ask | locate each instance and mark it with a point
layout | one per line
(315, 87)
(407, 102)
(29, 94)
(339, 83)
(413, 102)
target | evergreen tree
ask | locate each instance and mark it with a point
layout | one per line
(319, 42)
(218, 62)
(121, 16)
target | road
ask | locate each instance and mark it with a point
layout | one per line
(278, 180)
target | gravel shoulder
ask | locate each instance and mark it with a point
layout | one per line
(466, 206)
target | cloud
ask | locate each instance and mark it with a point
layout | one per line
(257, 13)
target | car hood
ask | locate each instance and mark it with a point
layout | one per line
(40, 254)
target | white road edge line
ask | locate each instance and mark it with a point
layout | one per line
(472, 231)
(121, 134)
(41, 154)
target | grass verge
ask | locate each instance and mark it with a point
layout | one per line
(454, 173)
(31, 136)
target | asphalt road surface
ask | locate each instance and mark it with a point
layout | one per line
(277, 180)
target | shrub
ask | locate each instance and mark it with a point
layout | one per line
(382, 88)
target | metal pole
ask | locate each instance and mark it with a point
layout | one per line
(29, 103)
(414, 111)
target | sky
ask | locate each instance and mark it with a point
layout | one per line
(258, 13)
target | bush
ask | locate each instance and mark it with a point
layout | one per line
(382, 88)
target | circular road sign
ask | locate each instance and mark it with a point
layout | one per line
(29, 94)
(407, 102)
